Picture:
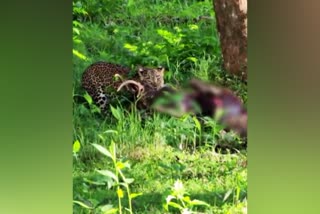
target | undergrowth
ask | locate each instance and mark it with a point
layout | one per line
(164, 153)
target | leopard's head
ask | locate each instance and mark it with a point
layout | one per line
(152, 77)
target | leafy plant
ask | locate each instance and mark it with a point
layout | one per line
(118, 177)
(179, 199)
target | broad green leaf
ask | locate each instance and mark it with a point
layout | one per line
(159, 46)
(129, 180)
(127, 165)
(165, 206)
(193, 27)
(78, 54)
(112, 149)
(175, 205)
(108, 209)
(193, 59)
(76, 23)
(198, 202)
(101, 137)
(134, 195)
(94, 182)
(103, 150)
(197, 123)
(83, 205)
(111, 211)
(88, 98)
(186, 199)
(108, 173)
(111, 183)
(76, 40)
(132, 48)
(130, 3)
(170, 37)
(76, 31)
(76, 146)
(115, 112)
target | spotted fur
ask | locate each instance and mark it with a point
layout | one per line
(101, 75)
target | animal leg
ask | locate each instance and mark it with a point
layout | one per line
(101, 99)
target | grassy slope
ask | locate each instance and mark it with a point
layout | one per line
(154, 33)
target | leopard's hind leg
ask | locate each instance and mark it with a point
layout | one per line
(101, 99)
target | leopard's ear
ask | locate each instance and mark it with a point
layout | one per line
(140, 68)
(161, 69)
(140, 71)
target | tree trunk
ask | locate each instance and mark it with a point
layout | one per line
(231, 16)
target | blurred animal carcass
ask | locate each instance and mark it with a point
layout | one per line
(205, 99)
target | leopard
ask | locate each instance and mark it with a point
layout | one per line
(100, 76)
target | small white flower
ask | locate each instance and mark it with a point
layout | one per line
(186, 211)
(169, 198)
(178, 186)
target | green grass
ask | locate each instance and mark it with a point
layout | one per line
(160, 149)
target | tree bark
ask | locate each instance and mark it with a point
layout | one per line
(231, 16)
